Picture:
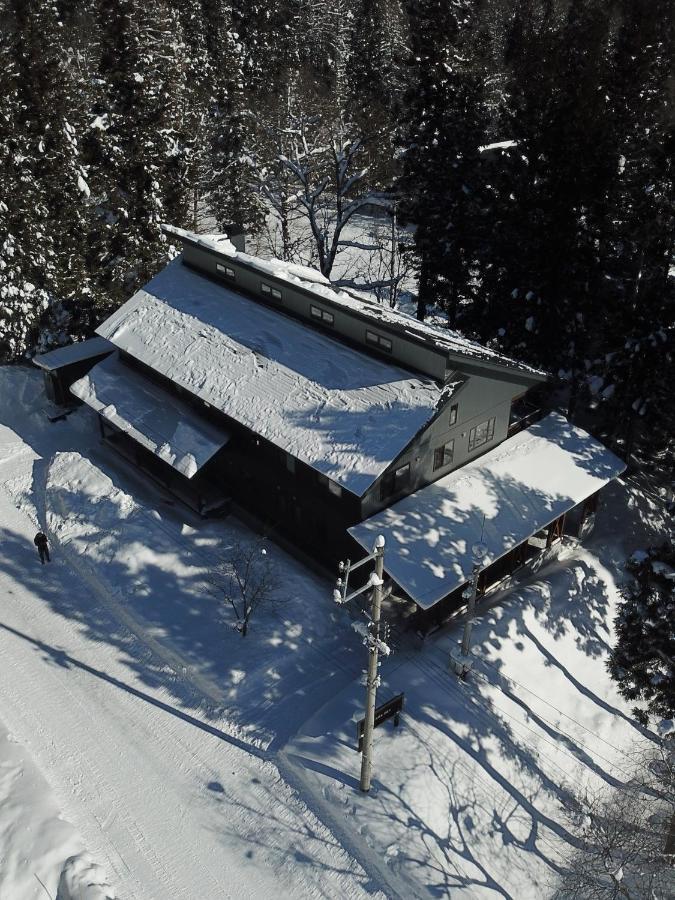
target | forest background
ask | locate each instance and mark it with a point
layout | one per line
(555, 245)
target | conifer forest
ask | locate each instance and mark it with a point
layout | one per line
(379, 283)
(526, 149)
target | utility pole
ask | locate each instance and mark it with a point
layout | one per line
(373, 678)
(372, 642)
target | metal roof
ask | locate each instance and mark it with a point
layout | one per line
(503, 497)
(309, 281)
(344, 413)
(73, 353)
(154, 418)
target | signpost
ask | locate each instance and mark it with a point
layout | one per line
(392, 708)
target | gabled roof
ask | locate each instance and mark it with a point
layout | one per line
(451, 343)
(343, 412)
(503, 497)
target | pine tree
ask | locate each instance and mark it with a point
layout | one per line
(542, 286)
(375, 85)
(636, 296)
(231, 195)
(136, 144)
(643, 660)
(44, 182)
(445, 123)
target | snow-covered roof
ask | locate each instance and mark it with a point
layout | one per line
(345, 413)
(520, 487)
(73, 353)
(443, 339)
(153, 417)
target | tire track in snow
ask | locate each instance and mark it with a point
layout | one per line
(176, 748)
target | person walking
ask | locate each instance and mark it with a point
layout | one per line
(42, 544)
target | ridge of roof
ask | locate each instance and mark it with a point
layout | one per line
(313, 282)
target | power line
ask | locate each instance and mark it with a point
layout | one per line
(548, 703)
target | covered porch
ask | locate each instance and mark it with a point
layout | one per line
(157, 431)
(515, 499)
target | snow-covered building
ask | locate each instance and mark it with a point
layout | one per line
(332, 418)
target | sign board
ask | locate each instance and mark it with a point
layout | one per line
(392, 708)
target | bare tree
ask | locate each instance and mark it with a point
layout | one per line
(250, 581)
(313, 176)
(625, 849)
(383, 267)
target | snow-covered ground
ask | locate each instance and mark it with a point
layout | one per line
(194, 763)
(126, 682)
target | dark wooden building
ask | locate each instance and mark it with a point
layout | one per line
(327, 416)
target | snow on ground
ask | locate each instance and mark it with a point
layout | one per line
(194, 763)
(125, 682)
(38, 849)
(472, 792)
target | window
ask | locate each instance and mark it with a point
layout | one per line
(443, 455)
(321, 315)
(376, 340)
(453, 414)
(481, 434)
(325, 481)
(268, 291)
(226, 271)
(290, 462)
(394, 482)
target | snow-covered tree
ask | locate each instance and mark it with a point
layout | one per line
(136, 144)
(230, 124)
(44, 283)
(328, 183)
(623, 836)
(635, 306)
(444, 125)
(643, 660)
(376, 81)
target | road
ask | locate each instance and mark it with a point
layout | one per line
(173, 804)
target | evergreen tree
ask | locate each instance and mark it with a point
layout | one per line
(636, 297)
(375, 85)
(21, 301)
(45, 191)
(231, 194)
(445, 121)
(643, 660)
(542, 285)
(136, 144)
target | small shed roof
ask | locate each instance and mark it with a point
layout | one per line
(73, 353)
(345, 413)
(150, 415)
(516, 489)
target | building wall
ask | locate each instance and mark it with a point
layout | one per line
(478, 400)
(285, 494)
